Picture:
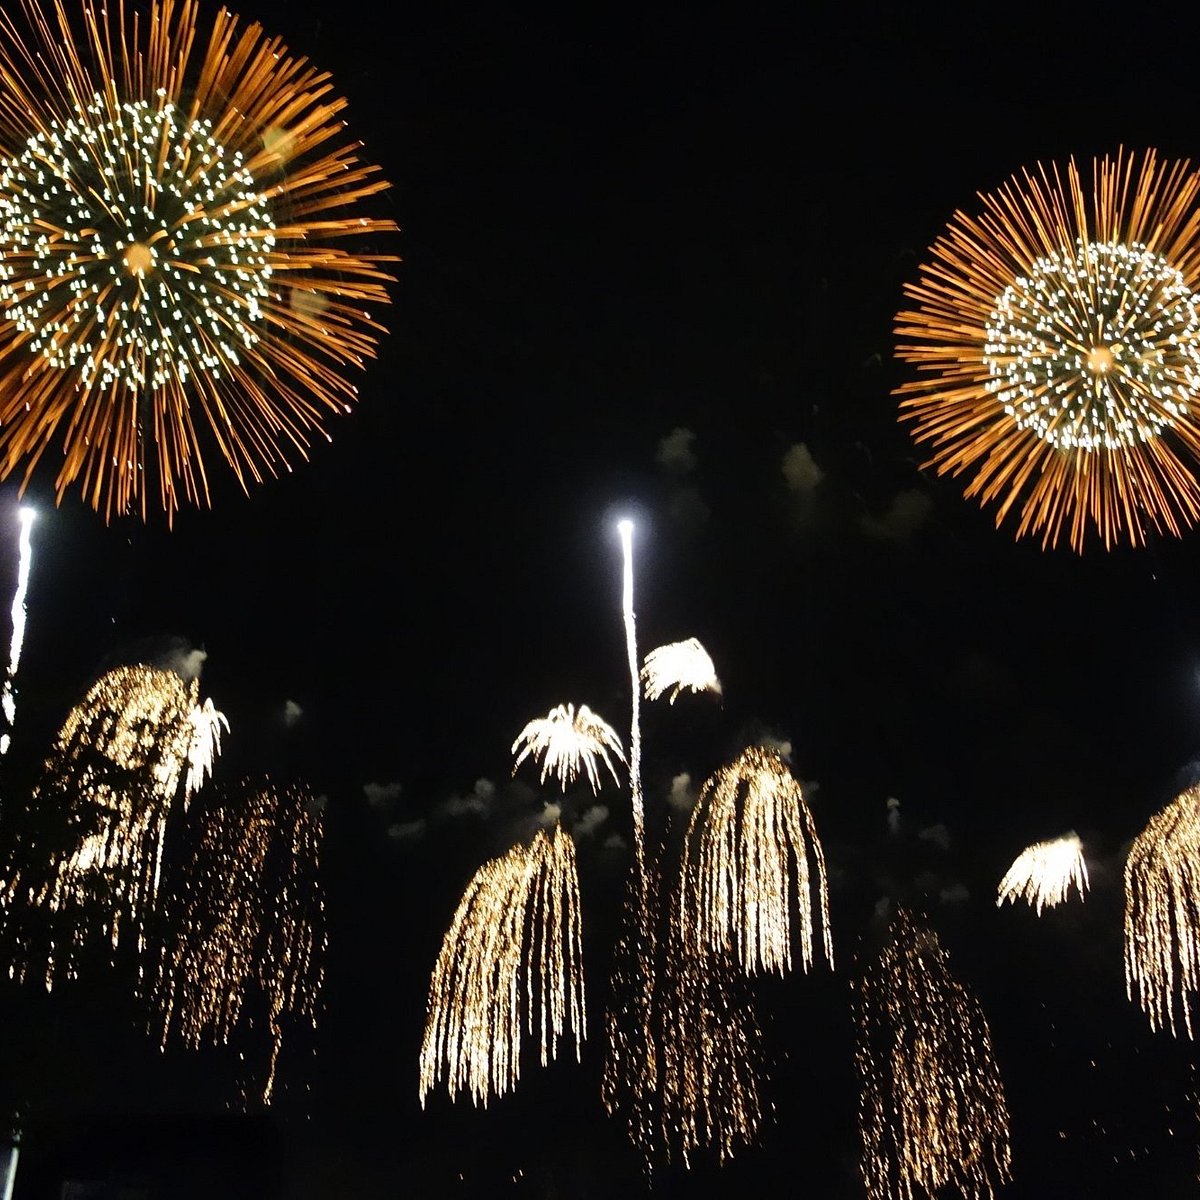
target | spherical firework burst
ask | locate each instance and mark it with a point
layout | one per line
(1057, 337)
(512, 959)
(1162, 915)
(1044, 874)
(676, 667)
(932, 1111)
(565, 741)
(172, 287)
(746, 866)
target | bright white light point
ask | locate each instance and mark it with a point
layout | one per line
(1044, 873)
(625, 527)
(8, 696)
(677, 666)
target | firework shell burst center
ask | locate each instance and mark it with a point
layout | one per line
(182, 272)
(1056, 340)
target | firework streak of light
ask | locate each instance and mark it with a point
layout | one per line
(1162, 915)
(512, 960)
(566, 740)
(746, 866)
(8, 698)
(678, 666)
(243, 921)
(932, 1110)
(1044, 874)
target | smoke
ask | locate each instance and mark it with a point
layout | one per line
(682, 796)
(292, 712)
(937, 835)
(956, 893)
(382, 795)
(908, 511)
(551, 813)
(615, 841)
(185, 660)
(675, 451)
(408, 831)
(893, 816)
(800, 470)
(781, 746)
(591, 820)
(478, 802)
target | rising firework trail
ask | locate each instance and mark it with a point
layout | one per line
(625, 528)
(8, 698)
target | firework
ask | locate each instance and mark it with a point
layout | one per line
(204, 746)
(677, 666)
(8, 697)
(1162, 915)
(175, 283)
(932, 1110)
(1044, 874)
(510, 962)
(746, 866)
(243, 921)
(625, 529)
(1057, 337)
(566, 741)
(110, 781)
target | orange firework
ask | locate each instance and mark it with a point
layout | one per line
(175, 281)
(1057, 340)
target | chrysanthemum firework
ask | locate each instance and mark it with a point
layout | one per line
(566, 741)
(1057, 340)
(1044, 874)
(676, 667)
(176, 282)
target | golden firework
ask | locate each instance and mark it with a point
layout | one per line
(932, 1110)
(676, 667)
(567, 740)
(111, 779)
(1057, 341)
(1162, 915)
(243, 921)
(746, 867)
(175, 277)
(511, 960)
(1044, 874)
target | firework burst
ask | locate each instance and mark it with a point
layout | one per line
(1044, 874)
(204, 746)
(243, 921)
(175, 283)
(1162, 915)
(1057, 337)
(677, 667)
(510, 962)
(932, 1111)
(746, 867)
(566, 741)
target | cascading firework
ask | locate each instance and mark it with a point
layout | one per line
(676, 667)
(1045, 873)
(568, 740)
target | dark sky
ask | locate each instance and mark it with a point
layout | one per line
(616, 225)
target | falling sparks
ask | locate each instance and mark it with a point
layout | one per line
(1044, 874)
(174, 273)
(1162, 915)
(1057, 337)
(679, 666)
(204, 746)
(110, 781)
(932, 1109)
(566, 742)
(510, 962)
(244, 921)
(746, 867)
(8, 697)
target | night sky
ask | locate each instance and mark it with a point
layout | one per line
(648, 254)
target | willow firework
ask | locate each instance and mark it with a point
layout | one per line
(746, 867)
(676, 667)
(1057, 340)
(175, 277)
(243, 921)
(112, 777)
(932, 1110)
(1044, 874)
(566, 741)
(510, 962)
(1162, 915)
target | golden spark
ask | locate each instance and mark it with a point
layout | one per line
(1044, 874)
(746, 866)
(1162, 915)
(8, 697)
(244, 921)
(679, 666)
(175, 279)
(511, 961)
(932, 1110)
(566, 741)
(1057, 338)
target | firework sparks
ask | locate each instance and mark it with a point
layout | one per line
(566, 741)
(932, 1111)
(204, 746)
(1058, 343)
(244, 921)
(174, 280)
(625, 529)
(8, 697)
(511, 959)
(679, 666)
(1044, 874)
(746, 866)
(1162, 915)
(112, 776)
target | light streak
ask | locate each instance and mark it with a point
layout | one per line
(204, 746)
(678, 666)
(566, 741)
(625, 529)
(1044, 874)
(8, 697)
